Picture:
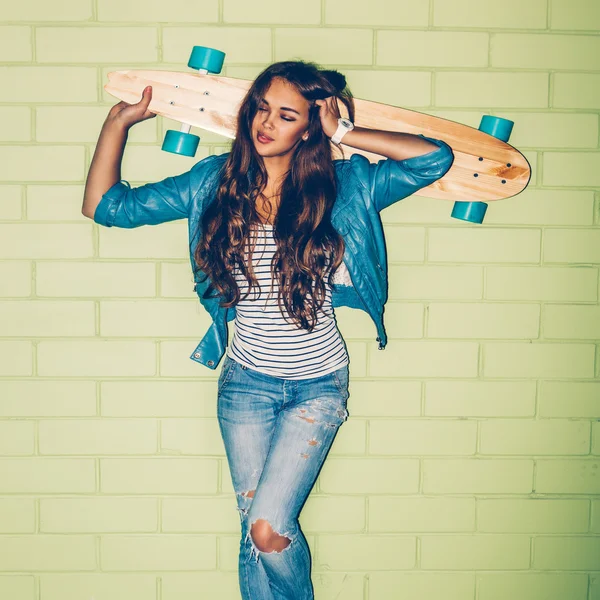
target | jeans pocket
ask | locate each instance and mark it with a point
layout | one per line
(341, 377)
(225, 375)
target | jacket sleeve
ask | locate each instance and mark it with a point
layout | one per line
(391, 180)
(153, 203)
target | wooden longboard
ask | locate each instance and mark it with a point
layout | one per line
(484, 168)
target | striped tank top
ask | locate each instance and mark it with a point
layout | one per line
(264, 341)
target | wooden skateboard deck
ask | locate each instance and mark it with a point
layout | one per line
(484, 169)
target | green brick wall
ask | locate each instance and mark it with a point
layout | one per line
(470, 466)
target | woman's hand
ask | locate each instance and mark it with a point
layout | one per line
(127, 115)
(329, 114)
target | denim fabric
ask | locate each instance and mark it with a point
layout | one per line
(277, 433)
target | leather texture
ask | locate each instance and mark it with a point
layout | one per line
(364, 190)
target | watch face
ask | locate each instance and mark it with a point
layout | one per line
(346, 122)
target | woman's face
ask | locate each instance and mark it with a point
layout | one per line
(282, 118)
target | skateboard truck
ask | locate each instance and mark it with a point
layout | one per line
(475, 211)
(205, 61)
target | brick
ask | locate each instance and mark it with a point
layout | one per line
(571, 246)
(551, 130)
(576, 90)
(149, 163)
(98, 436)
(379, 398)
(272, 11)
(327, 46)
(17, 587)
(156, 318)
(41, 318)
(158, 476)
(167, 241)
(85, 123)
(538, 360)
(101, 358)
(43, 163)
(527, 437)
(15, 278)
(422, 437)
(191, 436)
(480, 551)
(543, 207)
(415, 584)
(421, 515)
(522, 50)
(484, 245)
(571, 322)
(158, 398)
(409, 13)
(409, 88)
(155, 10)
(365, 552)
(95, 279)
(47, 398)
(532, 515)
(98, 515)
(569, 399)
(369, 476)
(16, 124)
(10, 207)
(489, 14)
(405, 244)
(200, 515)
(569, 284)
(467, 320)
(432, 48)
(55, 202)
(404, 320)
(244, 44)
(566, 553)
(491, 89)
(46, 241)
(525, 586)
(175, 361)
(176, 280)
(424, 359)
(572, 169)
(595, 520)
(335, 514)
(351, 440)
(47, 553)
(16, 358)
(477, 476)
(17, 515)
(158, 553)
(570, 476)
(16, 438)
(354, 324)
(574, 14)
(97, 44)
(189, 586)
(100, 586)
(479, 398)
(47, 84)
(47, 475)
(69, 10)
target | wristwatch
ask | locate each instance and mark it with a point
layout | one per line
(344, 126)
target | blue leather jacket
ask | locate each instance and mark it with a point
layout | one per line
(364, 189)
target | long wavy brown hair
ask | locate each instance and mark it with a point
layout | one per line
(309, 249)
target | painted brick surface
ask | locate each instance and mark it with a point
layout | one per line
(469, 466)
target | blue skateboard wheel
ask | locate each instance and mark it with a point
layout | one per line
(181, 143)
(499, 128)
(206, 58)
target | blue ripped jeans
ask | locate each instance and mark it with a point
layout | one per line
(277, 433)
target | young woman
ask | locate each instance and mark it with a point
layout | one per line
(280, 234)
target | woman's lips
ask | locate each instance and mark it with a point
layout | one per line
(264, 139)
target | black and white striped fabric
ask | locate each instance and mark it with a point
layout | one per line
(264, 341)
